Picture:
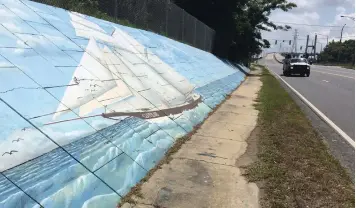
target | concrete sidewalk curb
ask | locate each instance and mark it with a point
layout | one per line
(275, 58)
(204, 173)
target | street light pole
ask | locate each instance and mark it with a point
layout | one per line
(353, 18)
(338, 56)
(341, 32)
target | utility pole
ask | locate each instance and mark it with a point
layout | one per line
(342, 29)
(316, 37)
(295, 38)
(295, 41)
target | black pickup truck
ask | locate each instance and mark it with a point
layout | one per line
(296, 66)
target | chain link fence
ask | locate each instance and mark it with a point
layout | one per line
(159, 16)
(163, 17)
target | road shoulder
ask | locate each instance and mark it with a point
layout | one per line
(294, 164)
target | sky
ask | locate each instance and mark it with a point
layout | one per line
(312, 12)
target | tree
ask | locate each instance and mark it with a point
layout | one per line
(336, 52)
(238, 24)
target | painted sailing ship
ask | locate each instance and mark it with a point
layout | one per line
(129, 81)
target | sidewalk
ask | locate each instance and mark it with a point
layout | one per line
(205, 172)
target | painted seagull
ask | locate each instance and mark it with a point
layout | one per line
(10, 153)
(17, 140)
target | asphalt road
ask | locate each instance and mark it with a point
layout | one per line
(330, 89)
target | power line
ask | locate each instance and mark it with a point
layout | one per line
(291, 23)
(351, 36)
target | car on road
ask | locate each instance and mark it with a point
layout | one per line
(296, 66)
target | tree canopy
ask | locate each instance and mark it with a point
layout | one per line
(336, 52)
(238, 24)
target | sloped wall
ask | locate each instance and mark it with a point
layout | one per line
(87, 107)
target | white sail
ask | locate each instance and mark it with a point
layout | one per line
(152, 67)
(121, 42)
(164, 70)
(119, 92)
(135, 85)
(130, 78)
(79, 22)
(89, 107)
(86, 83)
(174, 78)
(79, 91)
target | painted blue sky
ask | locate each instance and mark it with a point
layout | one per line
(42, 47)
(314, 12)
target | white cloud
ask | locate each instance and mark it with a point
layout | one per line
(340, 9)
(313, 16)
(308, 5)
(349, 29)
(344, 3)
(318, 12)
(304, 6)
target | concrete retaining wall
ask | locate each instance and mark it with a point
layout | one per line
(88, 107)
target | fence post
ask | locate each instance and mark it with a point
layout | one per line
(183, 11)
(115, 9)
(195, 31)
(166, 17)
(212, 41)
(204, 38)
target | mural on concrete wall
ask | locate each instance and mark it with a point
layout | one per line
(87, 106)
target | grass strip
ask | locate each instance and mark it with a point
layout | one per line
(294, 167)
(343, 65)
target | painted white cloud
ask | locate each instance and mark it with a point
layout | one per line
(100, 123)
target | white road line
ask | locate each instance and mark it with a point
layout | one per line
(317, 111)
(325, 80)
(313, 70)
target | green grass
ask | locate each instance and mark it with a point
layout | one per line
(294, 166)
(344, 65)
